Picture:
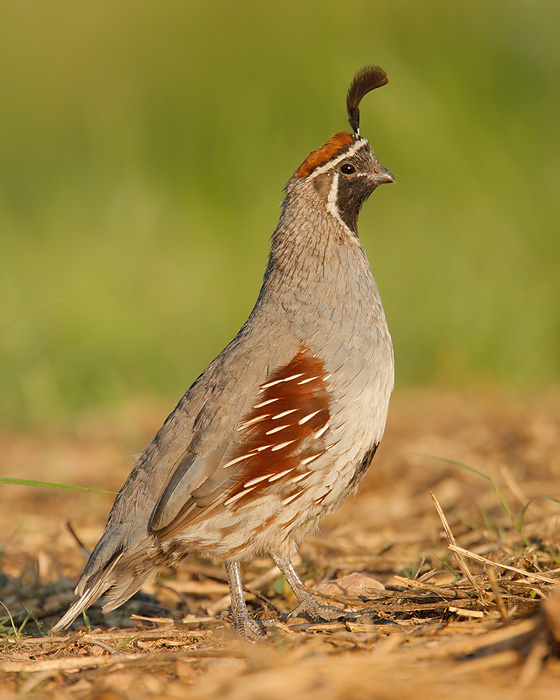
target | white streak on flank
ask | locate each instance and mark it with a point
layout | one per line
(276, 430)
(310, 379)
(297, 478)
(252, 482)
(263, 447)
(237, 496)
(287, 500)
(279, 381)
(327, 376)
(248, 423)
(327, 492)
(285, 413)
(280, 475)
(308, 417)
(274, 383)
(265, 403)
(345, 154)
(318, 434)
(293, 376)
(238, 459)
(281, 445)
(308, 460)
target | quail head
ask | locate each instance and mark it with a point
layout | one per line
(283, 424)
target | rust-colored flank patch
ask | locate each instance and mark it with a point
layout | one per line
(335, 145)
(284, 430)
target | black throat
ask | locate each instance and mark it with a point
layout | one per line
(352, 193)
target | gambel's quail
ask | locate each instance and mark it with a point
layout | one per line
(283, 424)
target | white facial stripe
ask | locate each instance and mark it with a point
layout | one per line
(332, 205)
(331, 200)
(347, 154)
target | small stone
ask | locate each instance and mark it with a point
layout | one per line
(354, 584)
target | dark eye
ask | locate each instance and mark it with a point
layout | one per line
(347, 169)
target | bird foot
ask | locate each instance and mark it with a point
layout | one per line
(319, 613)
(250, 630)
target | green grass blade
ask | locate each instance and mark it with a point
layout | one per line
(531, 500)
(457, 464)
(48, 485)
(12, 623)
(493, 487)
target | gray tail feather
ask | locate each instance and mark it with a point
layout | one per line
(124, 589)
(93, 591)
(117, 586)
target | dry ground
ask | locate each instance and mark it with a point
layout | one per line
(441, 626)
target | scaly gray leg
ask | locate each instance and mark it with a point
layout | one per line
(307, 602)
(246, 627)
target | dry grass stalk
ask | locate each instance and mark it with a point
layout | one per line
(491, 573)
(476, 557)
(451, 541)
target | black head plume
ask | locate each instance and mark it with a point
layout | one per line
(365, 81)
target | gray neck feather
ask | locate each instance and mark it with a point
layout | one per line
(313, 253)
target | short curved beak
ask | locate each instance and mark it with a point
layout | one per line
(381, 175)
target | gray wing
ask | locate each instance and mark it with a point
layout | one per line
(179, 472)
(192, 485)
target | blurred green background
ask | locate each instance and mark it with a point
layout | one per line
(143, 151)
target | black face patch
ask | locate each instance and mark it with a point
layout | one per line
(351, 196)
(354, 185)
